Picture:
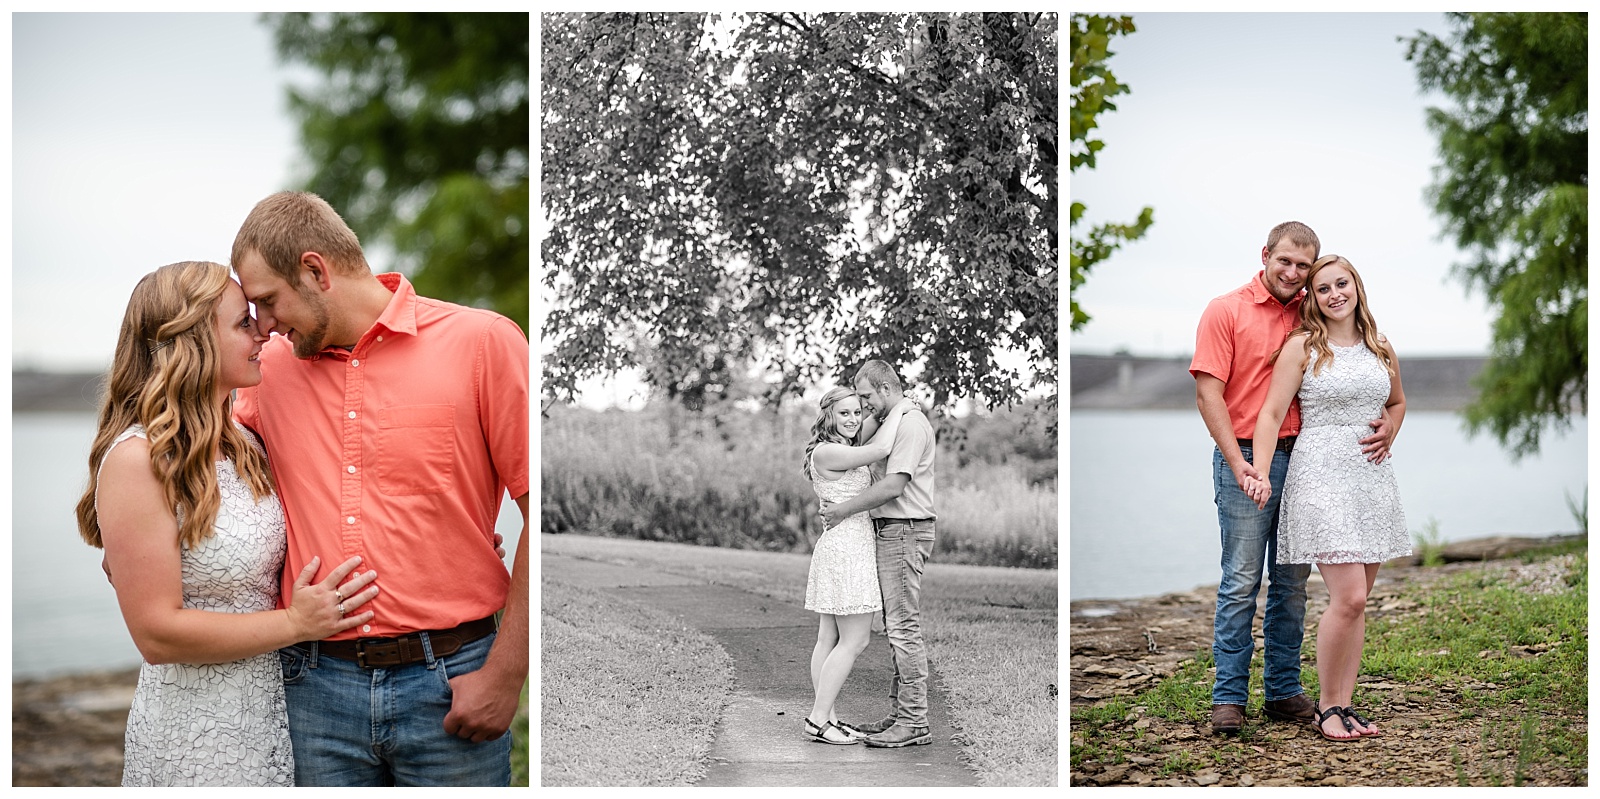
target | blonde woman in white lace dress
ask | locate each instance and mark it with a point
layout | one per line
(843, 584)
(1339, 509)
(181, 500)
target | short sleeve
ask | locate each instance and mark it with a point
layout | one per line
(502, 376)
(1213, 342)
(911, 441)
(247, 408)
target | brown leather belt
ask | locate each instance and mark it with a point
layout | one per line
(1285, 444)
(383, 653)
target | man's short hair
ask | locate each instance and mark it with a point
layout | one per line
(878, 373)
(289, 223)
(1299, 233)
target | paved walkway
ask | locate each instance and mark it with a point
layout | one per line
(759, 740)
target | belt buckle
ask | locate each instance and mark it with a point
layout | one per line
(361, 650)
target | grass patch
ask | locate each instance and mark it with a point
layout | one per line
(1507, 653)
(1476, 628)
(732, 479)
(991, 633)
(1429, 543)
(628, 695)
(1514, 661)
(519, 744)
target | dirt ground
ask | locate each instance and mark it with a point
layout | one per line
(1121, 648)
(68, 730)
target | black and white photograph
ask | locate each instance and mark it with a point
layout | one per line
(799, 356)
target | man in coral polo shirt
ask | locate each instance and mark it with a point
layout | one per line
(1232, 368)
(395, 425)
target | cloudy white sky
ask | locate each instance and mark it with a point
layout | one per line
(1236, 122)
(138, 140)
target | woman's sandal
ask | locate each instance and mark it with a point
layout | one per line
(1322, 715)
(820, 734)
(1350, 713)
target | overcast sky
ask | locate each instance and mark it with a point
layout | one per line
(1237, 122)
(138, 140)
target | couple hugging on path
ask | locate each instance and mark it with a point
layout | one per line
(1302, 396)
(237, 481)
(870, 460)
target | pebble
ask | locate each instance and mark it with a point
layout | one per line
(1246, 780)
(1207, 778)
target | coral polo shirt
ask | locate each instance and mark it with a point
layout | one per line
(1238, 333)
(400, 450)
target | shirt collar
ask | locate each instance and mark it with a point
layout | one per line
(400, 315)
(1259, 293)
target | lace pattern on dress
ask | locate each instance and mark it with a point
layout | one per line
(1337, 506)
(223, 724)
(844, 565)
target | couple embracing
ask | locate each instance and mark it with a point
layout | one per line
(870, 460)
(300, 528)
(1302, 396)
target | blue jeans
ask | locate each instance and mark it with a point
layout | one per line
(1249, 541)
(356, 726)
(903, 549)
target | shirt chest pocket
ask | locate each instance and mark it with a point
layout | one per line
(416, 449)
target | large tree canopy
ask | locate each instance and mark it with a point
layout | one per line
(1514, 189)
(419, 138)
(801, 191)
(1093, 86)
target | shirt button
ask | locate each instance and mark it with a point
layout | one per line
(352, 414)
(355, 362)
(380, 338)
(350, 469)
(350, 519)
(366, 628)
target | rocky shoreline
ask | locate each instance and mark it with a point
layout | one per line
(1120, 648)
(68, 730)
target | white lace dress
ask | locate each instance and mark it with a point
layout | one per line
(1337, 506)
(844, 565)
(222, 724)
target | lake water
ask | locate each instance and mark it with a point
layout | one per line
(64, 615)
(1143, 520)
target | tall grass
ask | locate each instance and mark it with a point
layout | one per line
(733, 480)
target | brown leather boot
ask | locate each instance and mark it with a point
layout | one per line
(1298, 709)
(1226, 719)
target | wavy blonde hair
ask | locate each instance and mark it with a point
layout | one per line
(164, 377)
(822, 430)
(1315, 325)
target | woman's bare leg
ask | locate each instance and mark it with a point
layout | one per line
(1371, 728)
(854, 632)
(1340, 635)
(827, 638)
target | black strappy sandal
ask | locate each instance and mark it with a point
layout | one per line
(1322, 715)
(1350, 713)
(820, 734)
